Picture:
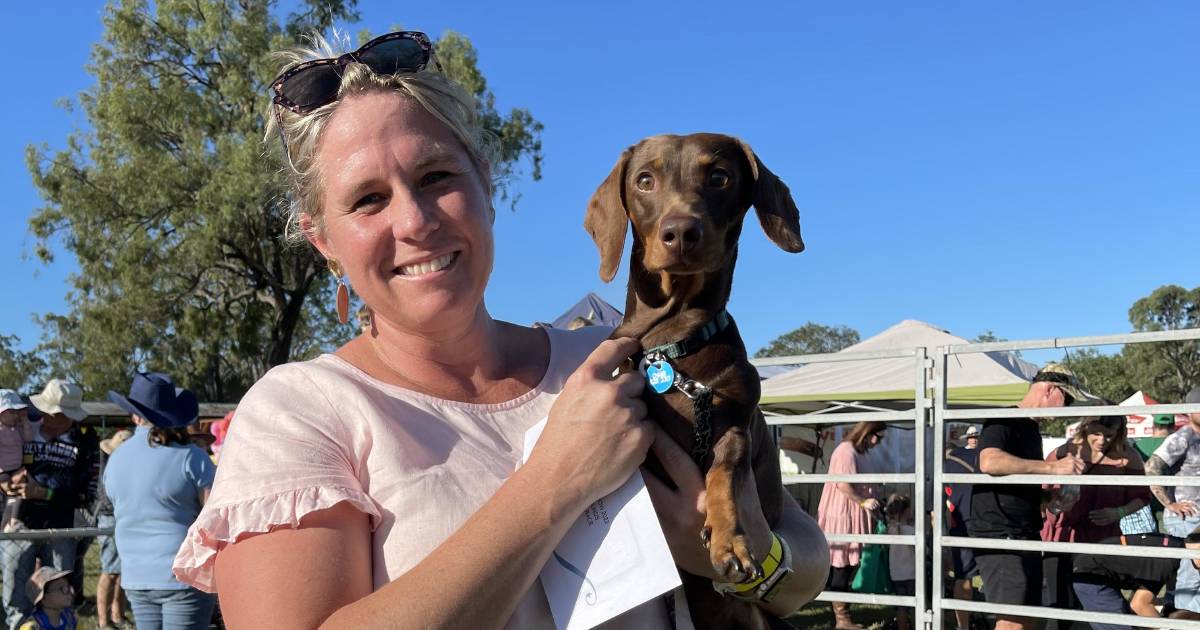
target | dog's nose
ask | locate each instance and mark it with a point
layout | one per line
(681, 234)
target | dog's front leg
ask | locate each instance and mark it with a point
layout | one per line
(731, 501)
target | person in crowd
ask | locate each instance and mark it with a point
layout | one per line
(15, 431)
(902, 559)
(110, 598)
(396, 457)
(219, 429)
(1163, 426)
(364, 319)
(51, 592)
(157, 481)
(1011, 446)
(1179, 454)
(961, 459)
(1100, 581)
(55, 480)
(1090, 513)
(849, 508)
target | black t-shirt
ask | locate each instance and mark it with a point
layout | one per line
(1008, 511)
(65, 465)
(1130, 572)
(960, 460)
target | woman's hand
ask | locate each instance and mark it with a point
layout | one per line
(31, 489)
(681, 510)
(595, 436)
(870, 504)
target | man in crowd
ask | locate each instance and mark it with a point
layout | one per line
(962, 459)
(1100, 580)
(57, 478)
(1013, 446)
(1179, 454)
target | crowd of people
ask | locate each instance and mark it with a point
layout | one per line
(1130, 515)
(148, 484)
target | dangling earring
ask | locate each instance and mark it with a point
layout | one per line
(343, 293)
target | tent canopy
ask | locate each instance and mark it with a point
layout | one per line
(593, 309)
(976, 379)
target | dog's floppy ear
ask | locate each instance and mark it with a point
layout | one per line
(606, 220)
(773, 203)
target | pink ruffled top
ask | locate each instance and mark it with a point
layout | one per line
(311, 435)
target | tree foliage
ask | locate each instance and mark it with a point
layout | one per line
(173, 208)
(1105, 375)
(20, 371)
(1168, 369)
(811, 338)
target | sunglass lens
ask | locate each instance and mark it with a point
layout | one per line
(395, 55)
(313, 87)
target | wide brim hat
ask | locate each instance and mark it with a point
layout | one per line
(35, 588)
(155, 397)
(60, 396)
(972, 432)
(110, 444)
(1065, 379)
(10, 400)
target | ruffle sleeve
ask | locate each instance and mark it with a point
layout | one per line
(288, 454)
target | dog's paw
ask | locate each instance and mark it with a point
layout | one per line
(732, 560)
(706, 536)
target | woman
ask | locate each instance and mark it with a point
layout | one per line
(381, 482)
(157, 482)
(1102, 445)
(849, 508)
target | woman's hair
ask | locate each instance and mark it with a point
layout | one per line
(1117, 447)
(861, 432)
(166, 437)
(441, 97)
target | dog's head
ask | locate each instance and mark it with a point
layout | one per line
(685, 197)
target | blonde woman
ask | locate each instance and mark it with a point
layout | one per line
(380, 484)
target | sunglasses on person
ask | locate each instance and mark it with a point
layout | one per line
(312, 84)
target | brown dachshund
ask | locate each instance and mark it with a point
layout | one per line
(686, 197)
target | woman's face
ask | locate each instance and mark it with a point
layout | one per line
(406, 213)
(1099, 437)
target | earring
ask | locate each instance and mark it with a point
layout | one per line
(343, 293)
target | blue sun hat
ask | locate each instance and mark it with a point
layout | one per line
(155, 397)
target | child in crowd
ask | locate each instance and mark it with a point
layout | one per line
(15, 431)
(901, 558)
(51, 594)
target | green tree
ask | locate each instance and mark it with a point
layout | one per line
(1105, 375)
(173, 208)
(20, 371)
(811, 338)
(1166, 370)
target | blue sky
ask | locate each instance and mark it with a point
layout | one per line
(1028, 168)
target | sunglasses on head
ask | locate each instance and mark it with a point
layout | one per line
(312, 84)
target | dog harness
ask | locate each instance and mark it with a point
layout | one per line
(661, 375)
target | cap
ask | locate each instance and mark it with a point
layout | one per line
(1065, 379)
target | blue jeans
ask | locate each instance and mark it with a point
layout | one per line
(181, 609)
(18, 560)
(1187, 581)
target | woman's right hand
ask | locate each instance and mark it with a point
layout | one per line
(596, 435)
(870, 505)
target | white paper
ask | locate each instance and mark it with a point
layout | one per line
(613, 558)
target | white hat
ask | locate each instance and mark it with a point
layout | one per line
(10, 400)
(972, 431)
(60, 396)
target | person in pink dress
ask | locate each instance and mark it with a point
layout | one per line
(849, 508)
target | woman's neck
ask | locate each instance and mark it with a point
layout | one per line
(477, 362)
(53, 615)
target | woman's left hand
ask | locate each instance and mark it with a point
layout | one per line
(1104, 516)
(681, 511)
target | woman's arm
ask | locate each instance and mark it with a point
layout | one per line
(320, 575)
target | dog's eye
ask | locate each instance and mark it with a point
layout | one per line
(718, 178)
(645, 182)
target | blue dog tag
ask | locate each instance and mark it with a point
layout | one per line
(660, 376)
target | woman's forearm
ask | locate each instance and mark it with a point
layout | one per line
(478, 576)
(809, 560)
